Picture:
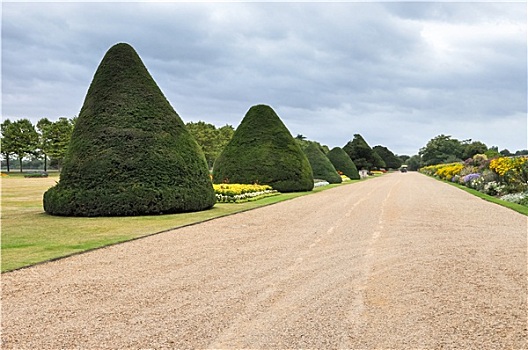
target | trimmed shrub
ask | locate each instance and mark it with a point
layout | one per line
(130, 153)
(322, 167)
(343, 163)
(263, 151)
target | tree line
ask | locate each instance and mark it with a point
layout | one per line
(47, 141)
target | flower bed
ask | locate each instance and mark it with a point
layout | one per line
(238, 193)
(506, 177)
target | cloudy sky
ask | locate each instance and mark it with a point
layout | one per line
(398, 73)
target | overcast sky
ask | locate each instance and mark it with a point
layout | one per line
(398, 73)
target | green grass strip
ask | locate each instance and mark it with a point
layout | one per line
(30, 236)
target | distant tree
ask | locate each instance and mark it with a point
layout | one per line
(7, 141)
(505, 152)
(211, 140)
(54, 138)
(390, 159)
(414, 163)
(42, 125)
(362, 154)
(522, 152)
(21, 138)
(492, 152)
(472, 148)
(441, 149)
(403, 158)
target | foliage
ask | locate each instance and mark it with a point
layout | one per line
(322, 167)
(55, 138)
(470, 149)
(263, 151)
(390, 159)
(238, 193)
(130, 153)
(413, 163)
(441, 149)
(362, 155)
(211, 140)
(342, 163)
(19, 138)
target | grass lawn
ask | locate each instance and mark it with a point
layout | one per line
(30, 236)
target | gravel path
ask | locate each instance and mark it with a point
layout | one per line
(401, 261)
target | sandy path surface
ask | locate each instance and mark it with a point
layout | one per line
(396, 262)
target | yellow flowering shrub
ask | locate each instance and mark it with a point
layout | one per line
(502, 165)
(236, 193)
(447, 171)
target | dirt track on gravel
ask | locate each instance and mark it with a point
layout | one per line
(401, 261)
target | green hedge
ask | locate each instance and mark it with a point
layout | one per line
(343, 163)
(263, 151)
(130, 153)
(322, 168)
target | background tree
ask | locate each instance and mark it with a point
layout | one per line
(441, 149)
(55, 138)
(492, 152)
(414, 163)
(42, 125)
(472, 148)
(211, 140)
(505, 152)
(362, 154)
(390, 159)
(7, 141)
(21, 139)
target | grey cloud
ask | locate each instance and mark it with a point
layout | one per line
(330, 69)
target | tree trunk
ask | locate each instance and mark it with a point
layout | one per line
(7, 162)
(45, 163)
(20, 162)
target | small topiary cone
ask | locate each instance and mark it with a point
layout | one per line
(263, 150)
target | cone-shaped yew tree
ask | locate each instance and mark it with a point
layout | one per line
(263, 151)
(321, 166)
(343, 163)
(130, 153)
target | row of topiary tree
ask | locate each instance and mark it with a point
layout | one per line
(131, 154)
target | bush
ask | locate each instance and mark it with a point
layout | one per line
(342, 163)
(130, 153)
(263, 151)
(322, 167)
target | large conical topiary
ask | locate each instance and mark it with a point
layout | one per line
(343, 163)
(321, 166)
(262, 150)
(130, 153)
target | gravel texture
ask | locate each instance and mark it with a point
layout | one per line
(401, 261)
